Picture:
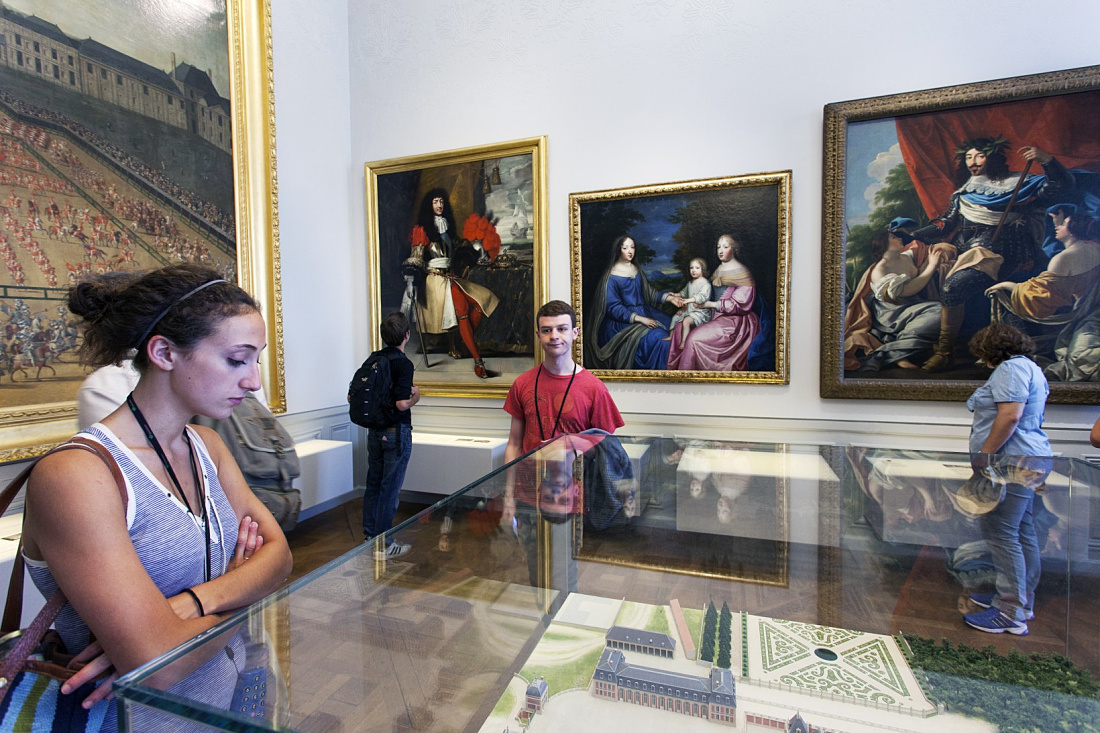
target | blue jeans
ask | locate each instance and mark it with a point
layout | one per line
(1009, 530)
(388, 452)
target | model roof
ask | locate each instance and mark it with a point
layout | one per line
(627, 635)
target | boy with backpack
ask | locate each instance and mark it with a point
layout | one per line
(381, 396)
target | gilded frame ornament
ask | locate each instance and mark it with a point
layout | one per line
(32, 429)
(673, 224)
(496, 208)
(859, 131)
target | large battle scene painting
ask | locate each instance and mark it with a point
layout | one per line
(456, 243)
(115, 154)
(684, 281)
(955, 217)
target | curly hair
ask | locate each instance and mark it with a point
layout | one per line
(1080, 224)
(996, 159)
(998, 342)
(426, 217)
(122, 311)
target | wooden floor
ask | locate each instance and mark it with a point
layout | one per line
(909, 592)
(426, 642)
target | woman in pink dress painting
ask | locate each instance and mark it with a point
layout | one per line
(722, 344)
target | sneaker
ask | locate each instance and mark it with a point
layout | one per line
(395, 549)
(985, 600)
(994, 622)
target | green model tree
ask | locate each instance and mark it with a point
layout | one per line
(725, 637)
(710, 624)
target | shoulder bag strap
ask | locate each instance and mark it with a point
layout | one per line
(13, 608)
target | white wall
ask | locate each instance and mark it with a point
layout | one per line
(320, 195)
(629, 92)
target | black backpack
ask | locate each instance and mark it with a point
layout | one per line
(370, 394)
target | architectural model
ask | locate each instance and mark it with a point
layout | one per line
(605, 664)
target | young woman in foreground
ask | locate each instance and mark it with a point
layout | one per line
(193, 541)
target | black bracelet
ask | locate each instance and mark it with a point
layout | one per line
(188, 591)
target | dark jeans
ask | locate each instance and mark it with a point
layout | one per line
(388, 452)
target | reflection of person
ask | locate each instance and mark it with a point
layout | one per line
(1008, 421)
(974, 216)
(180, 556)
(722, 344)
(556, 397)
(890, 319)
(389, 448)
(694, 295)
(629, 326)
(451, 300)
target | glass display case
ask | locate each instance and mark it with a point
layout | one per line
(616, 583)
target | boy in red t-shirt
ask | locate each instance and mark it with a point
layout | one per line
(558, 396)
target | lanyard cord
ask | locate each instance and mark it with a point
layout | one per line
(152, 438)
(538, 416)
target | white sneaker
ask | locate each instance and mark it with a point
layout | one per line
(395, 549)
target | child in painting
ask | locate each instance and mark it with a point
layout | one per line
(695, 293)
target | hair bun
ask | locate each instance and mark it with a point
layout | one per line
(91, 298)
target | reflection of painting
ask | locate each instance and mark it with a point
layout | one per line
(907, 500)
(721, 491)
(702, 508)
(456, 242)
(944, 227)
(115, 154)
(684, 281)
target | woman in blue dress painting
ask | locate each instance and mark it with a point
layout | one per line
(631, 331)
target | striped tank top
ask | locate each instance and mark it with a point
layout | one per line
(169, 541)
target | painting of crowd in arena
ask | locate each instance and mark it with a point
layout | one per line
(949, 209)
(115, 154)
(457, 243)
(684, 281)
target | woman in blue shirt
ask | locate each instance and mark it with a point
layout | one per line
(1008, 421)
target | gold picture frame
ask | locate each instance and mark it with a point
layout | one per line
(671, 225)
(29, 430)
(898, 156)
(494, 200)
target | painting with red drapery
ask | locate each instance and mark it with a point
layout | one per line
(892, 167)
(1064, 126)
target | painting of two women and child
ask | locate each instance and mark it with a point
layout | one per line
(684, 282)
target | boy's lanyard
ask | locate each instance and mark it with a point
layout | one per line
(538, 416)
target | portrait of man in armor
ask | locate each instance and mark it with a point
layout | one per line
(456, 246)
(946, 213)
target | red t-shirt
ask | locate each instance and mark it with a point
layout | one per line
(588, 405)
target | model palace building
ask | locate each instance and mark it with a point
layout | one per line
(712, 697)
